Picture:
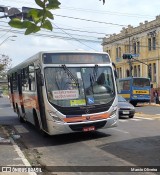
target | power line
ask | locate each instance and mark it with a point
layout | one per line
(95, 11)
(85, 39)
(83, 31)
(5, 33)
(108, 12)
(53, 36)
(76, 30)
(89, 20)
(75, 38)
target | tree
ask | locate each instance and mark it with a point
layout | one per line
(5, 64)
(40, 17)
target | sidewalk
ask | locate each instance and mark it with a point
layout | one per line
(11, 157)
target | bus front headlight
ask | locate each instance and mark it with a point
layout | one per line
(55, 118)
(114, 112)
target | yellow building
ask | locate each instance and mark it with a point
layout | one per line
(144, 43)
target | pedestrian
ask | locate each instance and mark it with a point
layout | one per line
(156, 97)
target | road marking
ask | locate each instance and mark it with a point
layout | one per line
(5, 107)
(122, 120)
(21, 155)
(119, 130)
(145, 118)
(132, 119)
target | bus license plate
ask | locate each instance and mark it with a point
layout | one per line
(90, 128)
(125, 112)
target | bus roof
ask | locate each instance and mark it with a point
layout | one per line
(39, 54)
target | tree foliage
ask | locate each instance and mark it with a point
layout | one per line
(41, 18)
(5, 64)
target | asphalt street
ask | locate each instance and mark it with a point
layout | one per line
(135, 142)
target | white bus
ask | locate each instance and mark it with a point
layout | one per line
(65, 91)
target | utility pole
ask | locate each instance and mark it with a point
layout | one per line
(129, 60)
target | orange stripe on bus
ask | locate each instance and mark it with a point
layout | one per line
(87, 118)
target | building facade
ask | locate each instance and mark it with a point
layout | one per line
(144, 43)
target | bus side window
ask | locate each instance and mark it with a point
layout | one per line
(31, 78)
(25, 76)
(14, 79)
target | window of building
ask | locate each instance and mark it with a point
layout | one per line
(134, 48)
(119, 52)
(119, 72)
(149, 44)
(154, 72)
(135, 71)
(138, 47)
(139, 71)
(126, 48)
(150, 71)
(154, 43)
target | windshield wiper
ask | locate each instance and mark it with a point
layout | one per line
(69, 73)
(93, 77)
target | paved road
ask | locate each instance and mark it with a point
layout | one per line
(135, 142)
(146, 109)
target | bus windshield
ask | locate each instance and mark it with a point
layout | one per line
(141, 82)
(79, 86)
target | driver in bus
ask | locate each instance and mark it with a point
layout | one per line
(99, 86)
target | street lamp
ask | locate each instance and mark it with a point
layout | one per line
(7, 39)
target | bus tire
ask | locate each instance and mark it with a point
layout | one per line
(19, 115)
(36, 121)
(134, 103)
(37, 125)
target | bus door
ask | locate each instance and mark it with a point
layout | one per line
(20, 91)
(41, 99)
(11, 96)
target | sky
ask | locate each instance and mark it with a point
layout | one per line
(93, 22)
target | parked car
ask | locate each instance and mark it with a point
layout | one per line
(125, 108)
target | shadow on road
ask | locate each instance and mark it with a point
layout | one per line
(35, 139)
(140, 151)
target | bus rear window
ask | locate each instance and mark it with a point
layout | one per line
(75, 58)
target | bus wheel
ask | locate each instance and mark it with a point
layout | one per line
(37, 125)
(134, 103)
(19, 116)
(36, 121)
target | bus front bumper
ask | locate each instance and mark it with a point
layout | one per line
(62, 128)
